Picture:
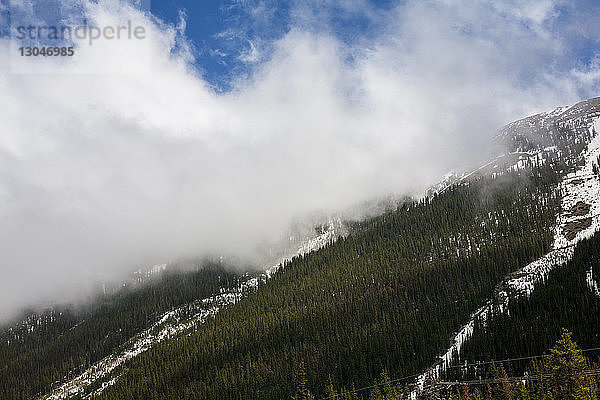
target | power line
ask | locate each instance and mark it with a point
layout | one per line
(512, 359)
(536, 377)
(362, 389)
(408, 377)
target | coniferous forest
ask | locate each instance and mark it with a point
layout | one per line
(70, 340)
(387, 297)
(531, 325)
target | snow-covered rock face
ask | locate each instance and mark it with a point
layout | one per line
(582, 186)
(550, 138)
(565, 129)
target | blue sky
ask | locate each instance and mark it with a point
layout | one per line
(230, 39)
(220, 31)
(223, 31)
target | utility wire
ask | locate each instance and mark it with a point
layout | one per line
(408, 377)
(536, 377)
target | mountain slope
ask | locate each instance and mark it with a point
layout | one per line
(392, 295)
(46, 348)
(578, 220)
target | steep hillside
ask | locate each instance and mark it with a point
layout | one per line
(68, 350)
(529, 325)
(50, 346)
(386, 297)
(558, 290)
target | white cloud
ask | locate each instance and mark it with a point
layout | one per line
(103, 172)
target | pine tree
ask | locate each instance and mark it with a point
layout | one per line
(507, 393)
(566, 367)
(302, 391)
(331, 392)
(488, 392)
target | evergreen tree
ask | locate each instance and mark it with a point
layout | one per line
(302, 391)
(566, 368)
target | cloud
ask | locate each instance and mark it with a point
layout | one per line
(103, 172)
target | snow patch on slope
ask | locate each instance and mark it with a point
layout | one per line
(167, 326)
(591, 282)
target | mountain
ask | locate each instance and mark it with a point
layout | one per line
(490, 265)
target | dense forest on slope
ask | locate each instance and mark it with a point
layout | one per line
(387, 297)
(530, 325)
(51, 346)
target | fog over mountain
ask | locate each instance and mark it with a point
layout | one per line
(101, 173)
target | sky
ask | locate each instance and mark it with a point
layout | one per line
(231, 38)
(229, 120)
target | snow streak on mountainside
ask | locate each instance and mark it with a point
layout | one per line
(167, 326)
(175, 322)
(579, 219)
(591, 282)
